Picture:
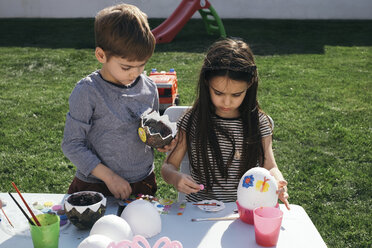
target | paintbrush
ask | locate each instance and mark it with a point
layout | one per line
(1, 206)
(24, 213)
(217, 218)
(28, 208)
(206, 204)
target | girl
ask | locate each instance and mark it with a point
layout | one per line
(225, 132)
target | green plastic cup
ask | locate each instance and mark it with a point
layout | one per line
(46, 235)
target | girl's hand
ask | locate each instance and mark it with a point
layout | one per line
(169, 147)
(185, 184)
(283, 194)
(119, 187)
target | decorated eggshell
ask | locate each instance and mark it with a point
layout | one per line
(156, 131)
(257, 188)
(143, 218)
(84, 208)
(95, 241)
(113, 227)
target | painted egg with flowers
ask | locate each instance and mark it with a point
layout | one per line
(257, 188)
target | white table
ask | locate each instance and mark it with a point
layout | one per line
(297, 229)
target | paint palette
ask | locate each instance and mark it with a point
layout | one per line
(21, 226)
(51, 208)
(210, 205)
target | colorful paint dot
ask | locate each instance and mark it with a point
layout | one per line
(61, 212)
(165, 201)
(63, 217)
(48, 204)
(39, 207)
(181, 208)
(46, 210)
(62, 222)
(56, 207)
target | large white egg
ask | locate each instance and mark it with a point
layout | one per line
(257, 188)
(95, 241)
(113, 227)
(143, 218)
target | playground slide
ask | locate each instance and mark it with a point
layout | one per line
(167, 30)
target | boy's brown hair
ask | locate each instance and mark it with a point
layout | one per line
(123, 30)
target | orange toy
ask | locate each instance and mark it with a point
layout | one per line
(167, 88)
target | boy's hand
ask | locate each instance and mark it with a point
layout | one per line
(185, 184)
(119, 187)
(283, 194)
(169, 147)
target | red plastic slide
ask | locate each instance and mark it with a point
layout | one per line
(166, 31)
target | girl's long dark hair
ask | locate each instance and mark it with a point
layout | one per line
(233, 59)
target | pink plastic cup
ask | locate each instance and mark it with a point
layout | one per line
(267, 222)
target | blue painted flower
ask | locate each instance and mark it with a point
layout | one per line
(248, 181)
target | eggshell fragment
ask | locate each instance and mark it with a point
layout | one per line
(95, 241)
(113, 227)
(143, 218)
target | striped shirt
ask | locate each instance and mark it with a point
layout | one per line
(226, 189)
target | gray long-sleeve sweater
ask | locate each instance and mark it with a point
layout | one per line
(101, 127)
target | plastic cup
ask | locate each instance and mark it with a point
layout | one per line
(46, 235)
(267, 222)
(246, 215)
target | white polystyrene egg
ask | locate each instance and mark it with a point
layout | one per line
(143, 218)
(113, 227)
(95, 241)
(257, 188)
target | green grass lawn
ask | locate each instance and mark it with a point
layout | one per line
(315, 81)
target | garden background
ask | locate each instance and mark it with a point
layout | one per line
(315, 82)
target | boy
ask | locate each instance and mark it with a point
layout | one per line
(100, 136)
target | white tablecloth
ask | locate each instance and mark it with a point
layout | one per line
(297, 230)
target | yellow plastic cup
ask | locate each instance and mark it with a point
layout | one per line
(46, 235)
